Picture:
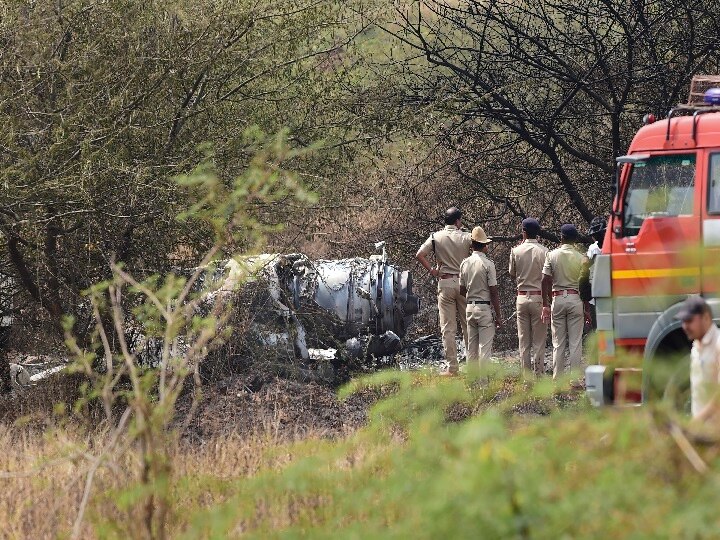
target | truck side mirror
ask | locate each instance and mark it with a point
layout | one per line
(615, 191)
(616, 183)
(617, 209)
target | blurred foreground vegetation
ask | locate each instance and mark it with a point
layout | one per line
(599, 474)
(106, 103)
(455, 459)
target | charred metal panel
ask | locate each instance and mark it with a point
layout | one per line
(326, 302)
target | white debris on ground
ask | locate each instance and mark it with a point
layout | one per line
(46, 373)
(322, 354)
(26, 370)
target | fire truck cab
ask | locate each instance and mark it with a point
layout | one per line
(662, 245)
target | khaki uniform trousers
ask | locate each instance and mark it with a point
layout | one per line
(568, 320)
(451, 307)
(532, 334)
(481, 331)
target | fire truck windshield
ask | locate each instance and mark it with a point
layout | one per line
(661, 186)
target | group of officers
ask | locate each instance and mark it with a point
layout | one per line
(548, 293)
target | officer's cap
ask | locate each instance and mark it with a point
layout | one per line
(694, 305)
(569, 232)
(478, 235)
(531, 225)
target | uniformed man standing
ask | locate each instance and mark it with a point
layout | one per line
(449, 246)
(526, 266)
(478, 283)
(561, 276)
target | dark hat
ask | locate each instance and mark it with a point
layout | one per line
(569, 232)
(531, 225)
(694, 305)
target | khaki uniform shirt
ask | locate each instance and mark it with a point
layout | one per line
(704, 369)
(477, 275)
(526, 265)
(451, 246)
(564, 265)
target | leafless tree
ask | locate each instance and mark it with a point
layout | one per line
(548, 93)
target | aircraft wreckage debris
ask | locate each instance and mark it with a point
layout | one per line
(324, 313)
(359, 307)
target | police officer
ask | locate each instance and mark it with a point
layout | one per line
(561, 275)
(526, 266)
(449, 247)
(478, 283)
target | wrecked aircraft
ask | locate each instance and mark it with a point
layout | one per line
(324, 313)
(317, 310)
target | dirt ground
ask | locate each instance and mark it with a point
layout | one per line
(254, 402)
(285, 409)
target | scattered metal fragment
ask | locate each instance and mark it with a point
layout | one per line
(45, 374)
(19, 376)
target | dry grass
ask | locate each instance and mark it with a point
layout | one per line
(44, 478)
(236, 436)
(46, 452)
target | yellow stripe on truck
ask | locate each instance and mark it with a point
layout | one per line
(649, 273)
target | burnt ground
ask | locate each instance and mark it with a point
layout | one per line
(257, 402)
(248, 404)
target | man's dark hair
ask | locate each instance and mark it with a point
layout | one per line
(694, 305)
(478, 246)
(452, 215)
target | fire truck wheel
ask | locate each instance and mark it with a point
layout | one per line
(666, 374)
(677, 389)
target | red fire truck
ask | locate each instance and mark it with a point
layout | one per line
(662, 245)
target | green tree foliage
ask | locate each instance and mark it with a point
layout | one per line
(103, 102)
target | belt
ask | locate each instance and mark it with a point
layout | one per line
(449, 276)
(483, 302)
(529, 293)
(565, 291)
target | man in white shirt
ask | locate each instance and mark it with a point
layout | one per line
(697, 322)
(598, 227)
